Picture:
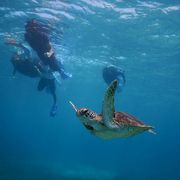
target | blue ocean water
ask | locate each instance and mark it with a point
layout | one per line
(143, 38)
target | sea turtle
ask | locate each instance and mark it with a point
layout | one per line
(110, 124)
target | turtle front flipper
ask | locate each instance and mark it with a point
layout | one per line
(108, 108)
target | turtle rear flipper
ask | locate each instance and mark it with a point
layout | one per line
(108, 108)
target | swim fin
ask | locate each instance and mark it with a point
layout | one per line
(53, 111)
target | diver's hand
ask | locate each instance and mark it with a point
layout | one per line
(10, 41)
(49, 54)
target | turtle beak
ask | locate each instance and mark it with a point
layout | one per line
(74, 107)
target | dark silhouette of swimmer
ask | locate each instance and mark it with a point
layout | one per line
(111, 73)
(37, 36)
(25, 67)
(50, 86)
(34, 69)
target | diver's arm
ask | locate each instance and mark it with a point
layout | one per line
(12, 41)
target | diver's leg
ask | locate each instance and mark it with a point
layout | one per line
(57, 66)
(42, 84)
(52, 87)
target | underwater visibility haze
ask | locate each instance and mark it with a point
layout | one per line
(140, 37)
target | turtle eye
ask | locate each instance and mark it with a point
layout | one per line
(83, 112)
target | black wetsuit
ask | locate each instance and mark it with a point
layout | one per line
(25, 67)
(38, 39)
(34, 70)
(50, 85)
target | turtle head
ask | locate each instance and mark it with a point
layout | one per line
(84, 114)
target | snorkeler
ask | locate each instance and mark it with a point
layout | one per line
(111, 73)
(37, 37)
(25, 67)
(24, 64)
(22, 61)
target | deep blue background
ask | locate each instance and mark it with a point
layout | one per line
(143, 38)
